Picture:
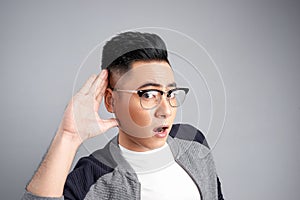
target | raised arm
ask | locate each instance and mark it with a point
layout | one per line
(80, 122)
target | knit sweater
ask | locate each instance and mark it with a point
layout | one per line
(105, 174)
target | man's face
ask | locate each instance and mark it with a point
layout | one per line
(143, 129)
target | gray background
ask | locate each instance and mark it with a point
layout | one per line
(255, 44)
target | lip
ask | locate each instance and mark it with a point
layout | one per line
(161, 134)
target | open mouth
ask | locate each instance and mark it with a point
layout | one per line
(160, 129)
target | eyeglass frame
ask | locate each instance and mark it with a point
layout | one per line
(141, 92)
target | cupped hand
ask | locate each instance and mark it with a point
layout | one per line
(81, 118)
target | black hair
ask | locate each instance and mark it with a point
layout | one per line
(122, 50)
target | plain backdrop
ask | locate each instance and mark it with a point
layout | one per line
(255, 44)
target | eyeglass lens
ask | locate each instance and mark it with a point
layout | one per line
(152, 98)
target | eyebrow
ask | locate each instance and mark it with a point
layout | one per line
(157, 85)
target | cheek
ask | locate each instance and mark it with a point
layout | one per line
(174, 111)
(139, 116)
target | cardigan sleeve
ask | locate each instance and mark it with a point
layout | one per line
(29, 196)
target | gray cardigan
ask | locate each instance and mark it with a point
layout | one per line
(105, 174)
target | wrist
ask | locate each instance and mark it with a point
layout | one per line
(71, 139)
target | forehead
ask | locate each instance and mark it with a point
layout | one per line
(142, 73)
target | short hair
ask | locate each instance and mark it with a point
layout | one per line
(125, 48)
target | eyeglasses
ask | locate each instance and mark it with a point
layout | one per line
(151, 98)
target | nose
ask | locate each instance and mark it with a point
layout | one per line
(163, 110)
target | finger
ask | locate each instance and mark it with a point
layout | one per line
(87, 85)
(101, 91)
(99, 97)
(101, 77)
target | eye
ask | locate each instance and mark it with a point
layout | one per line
(172, 94)
(150, 95)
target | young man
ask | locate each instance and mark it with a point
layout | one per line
(150, 158)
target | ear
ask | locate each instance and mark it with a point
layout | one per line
(109, 100)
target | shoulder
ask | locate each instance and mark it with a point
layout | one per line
(85, 173)
(188, 132)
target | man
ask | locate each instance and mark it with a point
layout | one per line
(150, 158)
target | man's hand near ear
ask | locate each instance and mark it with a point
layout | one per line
(80, 122)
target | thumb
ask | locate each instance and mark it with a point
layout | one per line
(109, 123)
(100, 128)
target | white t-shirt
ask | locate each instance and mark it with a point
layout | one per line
(160, 176)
